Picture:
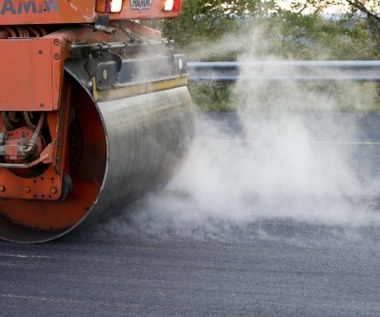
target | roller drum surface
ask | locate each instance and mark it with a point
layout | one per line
(147, 136)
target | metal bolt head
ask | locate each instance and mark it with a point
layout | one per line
(53, 190)
(2, 188)
(105, 74)
(27, 189)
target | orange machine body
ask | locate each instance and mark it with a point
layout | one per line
(23, 12)
(34, 60)
(36, 40)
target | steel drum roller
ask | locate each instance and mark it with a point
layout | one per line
(94, 111)
(119, 149)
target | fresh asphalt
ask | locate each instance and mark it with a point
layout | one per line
(268, 267)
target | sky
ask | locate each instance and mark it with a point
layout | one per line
(286, 4)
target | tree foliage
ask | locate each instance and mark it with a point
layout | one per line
(302, 31)
(225, 30)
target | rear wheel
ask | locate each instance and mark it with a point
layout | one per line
(42, 219)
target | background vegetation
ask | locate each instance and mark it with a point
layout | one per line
(305, 30)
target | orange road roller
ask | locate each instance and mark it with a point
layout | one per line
(94, 111)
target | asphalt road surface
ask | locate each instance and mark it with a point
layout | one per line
(175, 255)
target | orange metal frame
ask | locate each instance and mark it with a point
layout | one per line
(16, 12)
(48, 185)
(32, 80)
(22, 12)
(32, 76)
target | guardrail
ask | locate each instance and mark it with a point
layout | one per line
(284, 70)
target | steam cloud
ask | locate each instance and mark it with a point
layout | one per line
(275, 165)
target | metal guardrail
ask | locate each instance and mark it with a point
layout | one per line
(284, 70)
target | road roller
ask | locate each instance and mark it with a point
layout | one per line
(95, 111)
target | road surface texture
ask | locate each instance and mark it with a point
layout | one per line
(149, 262)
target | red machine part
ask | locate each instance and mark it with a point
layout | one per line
(21, 12)
(64, 145)
(34, 154)
(37, 64)
(59, 146)
(42, 213)
(19, 145)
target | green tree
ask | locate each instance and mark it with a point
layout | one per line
(294, 34)
(222, 30)
(208, 21)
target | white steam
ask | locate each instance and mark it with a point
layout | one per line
(279, 164)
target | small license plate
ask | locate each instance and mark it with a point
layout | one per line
(140, 4)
